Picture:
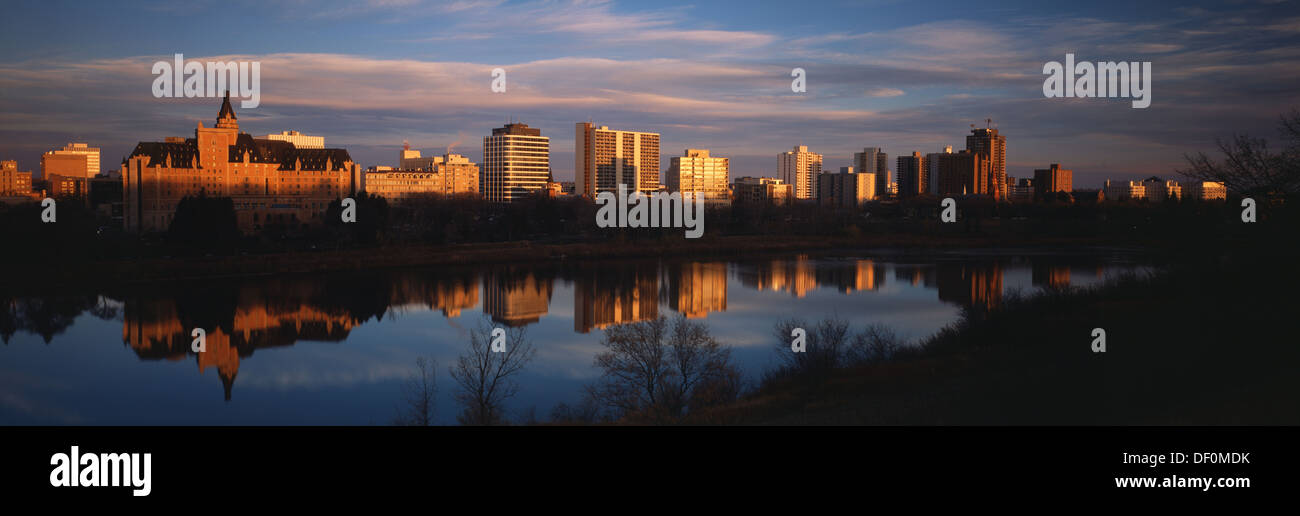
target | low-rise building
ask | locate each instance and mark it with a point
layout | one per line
(762, 190)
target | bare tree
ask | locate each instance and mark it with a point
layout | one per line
(1249, 167)
(825, 345)
(420, 395)
(484, 376)
(877, 343)
(654, 369)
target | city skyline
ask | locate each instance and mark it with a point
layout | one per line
(713, 81)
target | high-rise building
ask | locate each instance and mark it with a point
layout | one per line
(993, 145)
(762, 190)
(298, 139)
(449, 174)
(962, 173)
(874, 160)
(932, 170)
(605, 158)
(1050, 181)
(697, 172)
(270, 182)
(912, 172)
(800, 168)
(516, 163)
(845, 189)
(73, 160)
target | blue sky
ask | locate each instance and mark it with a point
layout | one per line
(905, 76)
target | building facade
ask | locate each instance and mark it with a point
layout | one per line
(449, 174)
(14, 183)
(1206, 191)
(73, 160)
(1159, 190)
(299, 140)
(800, 168)
(994, 147)
(846, 189)
(768, 190)
(1050, 181)
(1127, 190)
(516, 163)
(962, 173)
(874, 160)
(699, 173)
(605, 158)
(270, 182)
(913, 175)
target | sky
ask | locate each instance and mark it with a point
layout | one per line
(902, 75)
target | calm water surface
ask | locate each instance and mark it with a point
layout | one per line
(334, 349)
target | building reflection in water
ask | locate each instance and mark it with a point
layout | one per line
(244, 316)
(694, 289)
(850, 275)
(970, 284)
(158, 327)
(614, 293)
(514, 297)
(797, 276)
(1050, 276)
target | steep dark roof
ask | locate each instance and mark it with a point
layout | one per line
(282, 153)
(158, 152)
(226, 109)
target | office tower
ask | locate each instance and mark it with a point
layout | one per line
(845, 189)
(604, 158)
(873, 160)
(911, 175)
(73, 160)
(1049, 181)
(800, 168)
(993, 145)
(962, 173)
(697, 172)
(449, 174)
(932, 170)
(270, 182)
(298, 139)
(516, 163)
(762, 190)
